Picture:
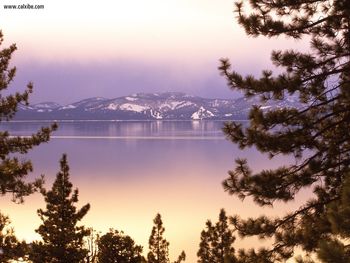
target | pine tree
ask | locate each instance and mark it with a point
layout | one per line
(12, 170)
(10, 247)
(62, 238)
(159, 246)
(204, 253)
(216, 242)
(115, 247)
(335, 248)
(316, 134)
(182, 257)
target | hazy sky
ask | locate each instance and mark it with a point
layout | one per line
(77, 49)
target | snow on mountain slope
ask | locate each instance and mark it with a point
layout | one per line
(133, 107)
(202, 114)
(150, 106)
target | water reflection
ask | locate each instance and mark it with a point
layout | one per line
(122, 129)
(134, 175)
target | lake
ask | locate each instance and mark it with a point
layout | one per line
(130, 171)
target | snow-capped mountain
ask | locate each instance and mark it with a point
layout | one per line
(148, 106)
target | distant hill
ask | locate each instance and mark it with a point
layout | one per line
(148, 106)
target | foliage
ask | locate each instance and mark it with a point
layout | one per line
(12, 170)
(182, 257)
(335, 248)
(159, 246)
(115, 246)
(62, 238)
(10, 247)
(216, 242)
(316, 134)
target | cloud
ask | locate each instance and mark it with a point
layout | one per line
(70, 81)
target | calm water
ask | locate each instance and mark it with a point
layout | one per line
(129, 171)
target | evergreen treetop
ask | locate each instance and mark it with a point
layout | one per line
(316, 134)
(159, 246)
(62, 238)
(217, 240)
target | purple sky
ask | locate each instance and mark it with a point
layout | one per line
(69, 82)
(131, 46)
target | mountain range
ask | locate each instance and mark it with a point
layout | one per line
(149, 106)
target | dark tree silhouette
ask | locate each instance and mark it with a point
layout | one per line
(216, 242)
(317, 134)
(115, 247)
(62, 238)
(159, 246)
(182, 257)
(335, 247)
(10, 247)
(12, 170)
